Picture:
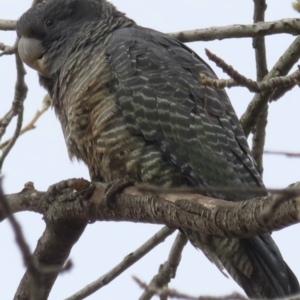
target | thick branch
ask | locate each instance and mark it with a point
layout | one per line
(52, 250)
(210, 216)
(69, 205)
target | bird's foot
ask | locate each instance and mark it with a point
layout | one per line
(115, 187)
(69, 190)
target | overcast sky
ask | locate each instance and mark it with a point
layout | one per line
(40, 156)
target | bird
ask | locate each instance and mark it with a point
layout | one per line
(131, 103)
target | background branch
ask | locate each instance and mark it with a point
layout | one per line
(291, 26)
(258, 43)
(168, 269)
(281, 68)
(127, 262)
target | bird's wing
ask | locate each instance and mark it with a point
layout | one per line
(159, 91)
(157, 85)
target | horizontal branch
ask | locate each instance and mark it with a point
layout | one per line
(8, 24)
(210, 216)
(69, 205)
(290, 26)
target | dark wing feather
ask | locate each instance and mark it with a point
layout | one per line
(160, 94)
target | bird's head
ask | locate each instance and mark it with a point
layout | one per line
(47, 31)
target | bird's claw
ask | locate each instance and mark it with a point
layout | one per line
(115, 187)
(69, 190)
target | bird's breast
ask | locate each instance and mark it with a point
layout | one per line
(95, 130)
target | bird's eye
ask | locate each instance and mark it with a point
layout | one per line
(49, 22)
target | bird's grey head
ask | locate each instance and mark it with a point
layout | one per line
(47, 30)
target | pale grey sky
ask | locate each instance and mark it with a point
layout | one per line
(40, 156)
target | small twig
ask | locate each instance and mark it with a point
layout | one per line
(167, 271)
(253, 86)
(128, 261)
(7, 50)
(31, 124)
(20, 95)
(165, 292)
(281, 68)
(238, 79)
(17, 108)
(12, 141)
(288, 154)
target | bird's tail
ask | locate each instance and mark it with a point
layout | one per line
(255, 264)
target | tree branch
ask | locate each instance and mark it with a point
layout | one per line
(31, 124)
(8, 24)
(171, 293)
(281, 68)
(168, 269)
(207, 215)
(258, 43)
(127, 262)
(291, 26)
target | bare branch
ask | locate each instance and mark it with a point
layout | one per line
(7, 50)
(288, 154)
(167, 271)
(258, 43)
(171, 293)
(127, 262)
(69, 205)
(31, 124)
(241, 80)
(24, 248)
(176, 210)
(16, 109)
(54, 247)
(8, 24)
(258, 139)
(281, 68)
(291, 26)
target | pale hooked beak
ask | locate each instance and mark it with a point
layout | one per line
(32, 54)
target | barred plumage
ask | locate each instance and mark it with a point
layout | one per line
(130, 102)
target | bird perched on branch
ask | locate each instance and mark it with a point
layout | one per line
(131, 103)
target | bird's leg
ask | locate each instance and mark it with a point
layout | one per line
(69, 190)
(115, 187)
